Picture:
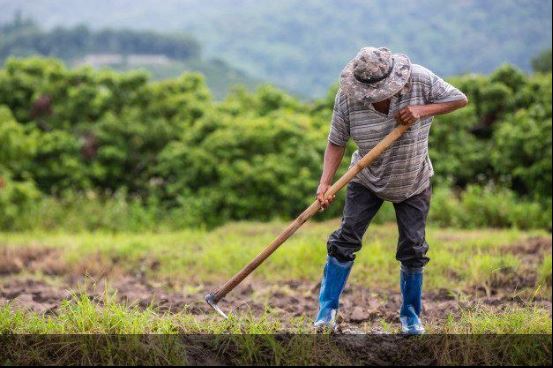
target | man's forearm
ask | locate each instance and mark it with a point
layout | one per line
(410, 114)
(332, 159)
(442, 108)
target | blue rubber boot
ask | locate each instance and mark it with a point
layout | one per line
(334, 279)
(411, 290)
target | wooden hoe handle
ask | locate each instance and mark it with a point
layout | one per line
(308, 213)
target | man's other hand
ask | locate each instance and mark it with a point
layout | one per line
(410, 114)
(321, 190)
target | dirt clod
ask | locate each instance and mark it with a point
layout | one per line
(359, 314)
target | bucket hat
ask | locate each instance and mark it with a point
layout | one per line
(375, 74)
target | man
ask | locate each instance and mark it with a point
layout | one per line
(379, 89)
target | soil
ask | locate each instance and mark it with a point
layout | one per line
(364, 310)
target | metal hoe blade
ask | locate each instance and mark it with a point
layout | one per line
(210, 299)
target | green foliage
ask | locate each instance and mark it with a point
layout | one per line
(17, 198)
(488, 207)
(458, 156)
(503, 138)
(510, 76)
(57, 164)
(88, 211)
(16, 148)
(117, 151)
(128, 142)
(255, 168)
(17, 145)
(522, 152)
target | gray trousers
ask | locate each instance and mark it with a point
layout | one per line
(360, 208)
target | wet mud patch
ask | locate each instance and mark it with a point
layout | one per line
(532, 247)
(507, 281)
(31, 259)
(47, 261)
(33, 295)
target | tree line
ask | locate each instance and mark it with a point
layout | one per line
(97, 144)
(22, 37)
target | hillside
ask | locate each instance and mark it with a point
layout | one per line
(302, 45)
(163, 55)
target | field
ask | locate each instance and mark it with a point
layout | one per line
(478, 282)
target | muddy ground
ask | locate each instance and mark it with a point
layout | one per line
(364, 310)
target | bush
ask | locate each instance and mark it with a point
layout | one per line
(240, 168)
(17, 146)
(89, 211)
(487, 207)
(17, 192)
(522, 152)
(459, 157)
(164, 151)
(17, 198)
(57, 164)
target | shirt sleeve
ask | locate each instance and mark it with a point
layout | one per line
(339, 127)
(440, 91)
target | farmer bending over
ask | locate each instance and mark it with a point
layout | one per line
(377, 90)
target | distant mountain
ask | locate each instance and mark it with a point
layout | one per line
(303, 44)
(163, 55)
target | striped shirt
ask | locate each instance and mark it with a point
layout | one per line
(403, 170)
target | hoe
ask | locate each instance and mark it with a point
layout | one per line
(213, 298)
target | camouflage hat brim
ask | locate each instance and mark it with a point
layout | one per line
(378, 91)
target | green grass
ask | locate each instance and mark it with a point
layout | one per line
(544, 272)
(459, 258)
(514, 320)
(250, 341)
(516, 335)
(80, 315)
